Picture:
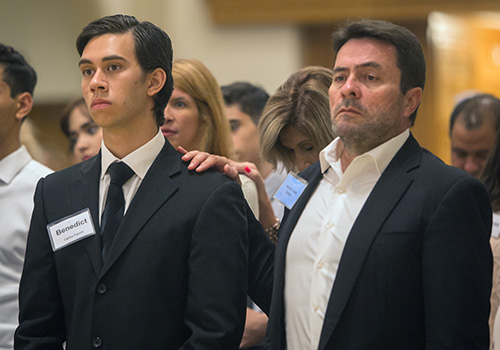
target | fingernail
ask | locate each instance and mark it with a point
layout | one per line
(247, 169)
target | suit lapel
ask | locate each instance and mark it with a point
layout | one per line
(85, 194)
(384, 197)
(154, 190)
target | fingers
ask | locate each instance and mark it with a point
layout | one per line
(232, 173)
(181, 150)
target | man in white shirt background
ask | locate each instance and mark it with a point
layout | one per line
(19, 174)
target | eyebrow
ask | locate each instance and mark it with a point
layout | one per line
(105, 59)
(363, 65)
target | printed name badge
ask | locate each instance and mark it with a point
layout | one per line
(290, 190)
(495, 229)
(70, 229)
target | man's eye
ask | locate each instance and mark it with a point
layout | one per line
(87, 72)
(114, 67)
(235, 125)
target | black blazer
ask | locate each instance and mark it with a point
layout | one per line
(175, 276)
(416, 269)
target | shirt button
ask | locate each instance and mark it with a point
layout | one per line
(321, 265)
(316, 307)
(97, 342)
(341, 189)
(101, 289)
(329, 225)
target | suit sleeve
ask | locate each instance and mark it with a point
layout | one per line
(217, 281)
(41, 315)
(457, 269)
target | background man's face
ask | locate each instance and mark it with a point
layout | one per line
(470, 148)
(245, 135)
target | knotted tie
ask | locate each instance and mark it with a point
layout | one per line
(115, 204)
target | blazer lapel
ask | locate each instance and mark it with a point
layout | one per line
(384, 197)
(85, 194)
(154, 190)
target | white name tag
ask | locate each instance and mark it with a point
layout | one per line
(290, 190)
(495, 229)
(70, 229)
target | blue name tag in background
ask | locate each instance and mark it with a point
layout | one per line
(290, 190)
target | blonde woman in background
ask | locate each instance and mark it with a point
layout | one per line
(195, 119)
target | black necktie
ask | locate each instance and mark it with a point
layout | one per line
(115, 204)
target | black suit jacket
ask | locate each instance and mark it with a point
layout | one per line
(175, 276)
(416, 269)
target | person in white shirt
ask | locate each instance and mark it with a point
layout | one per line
(19, 174)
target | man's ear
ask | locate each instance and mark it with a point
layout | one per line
(24, 103)
(157, 79)
(412, 99)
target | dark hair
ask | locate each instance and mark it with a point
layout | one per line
(475, 110)
(17, 73)
(409, 54)
(251, 99)
(491, 175)
(153, 49)
(72, 105)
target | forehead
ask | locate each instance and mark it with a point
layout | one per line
(109, 45)
(482, 137)
(358, 52)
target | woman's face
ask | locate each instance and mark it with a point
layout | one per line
(181, 122)
(300, 146)
(84, 135)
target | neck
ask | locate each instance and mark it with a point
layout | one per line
(9, 144)
(122, 143)
(265, 169)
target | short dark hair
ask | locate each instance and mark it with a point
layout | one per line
(409, 54)
(475, 110)
(17, 73)
(251, 99)
(153, 49)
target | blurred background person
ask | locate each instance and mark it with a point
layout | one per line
(296, 125)
(19, 174)
(244, 105)
(195, 118)
(474, 123)
(85, 136)
(491, 180)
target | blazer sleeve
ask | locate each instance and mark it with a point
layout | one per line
(41, 315)
(217, 267)
(457, 269)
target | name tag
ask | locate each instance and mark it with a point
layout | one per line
(70, 229)
(290, 190)
(495, 229)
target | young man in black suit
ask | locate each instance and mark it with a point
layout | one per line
(158, 261)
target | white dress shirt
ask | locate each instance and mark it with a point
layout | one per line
(317, 242)
(139, 161)
(19, 174)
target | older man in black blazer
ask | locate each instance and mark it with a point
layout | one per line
(173, 273)
(387, 248)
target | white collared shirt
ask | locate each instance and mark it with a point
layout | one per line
(139, 161)
(317, 242)
(19, 174)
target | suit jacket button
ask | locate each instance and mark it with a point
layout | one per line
(101, 289)
(97, 342)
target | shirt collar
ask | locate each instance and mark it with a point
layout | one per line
(13, 163)
(382, 154)
(139, 160)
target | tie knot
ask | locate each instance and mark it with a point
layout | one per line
(120, 173)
